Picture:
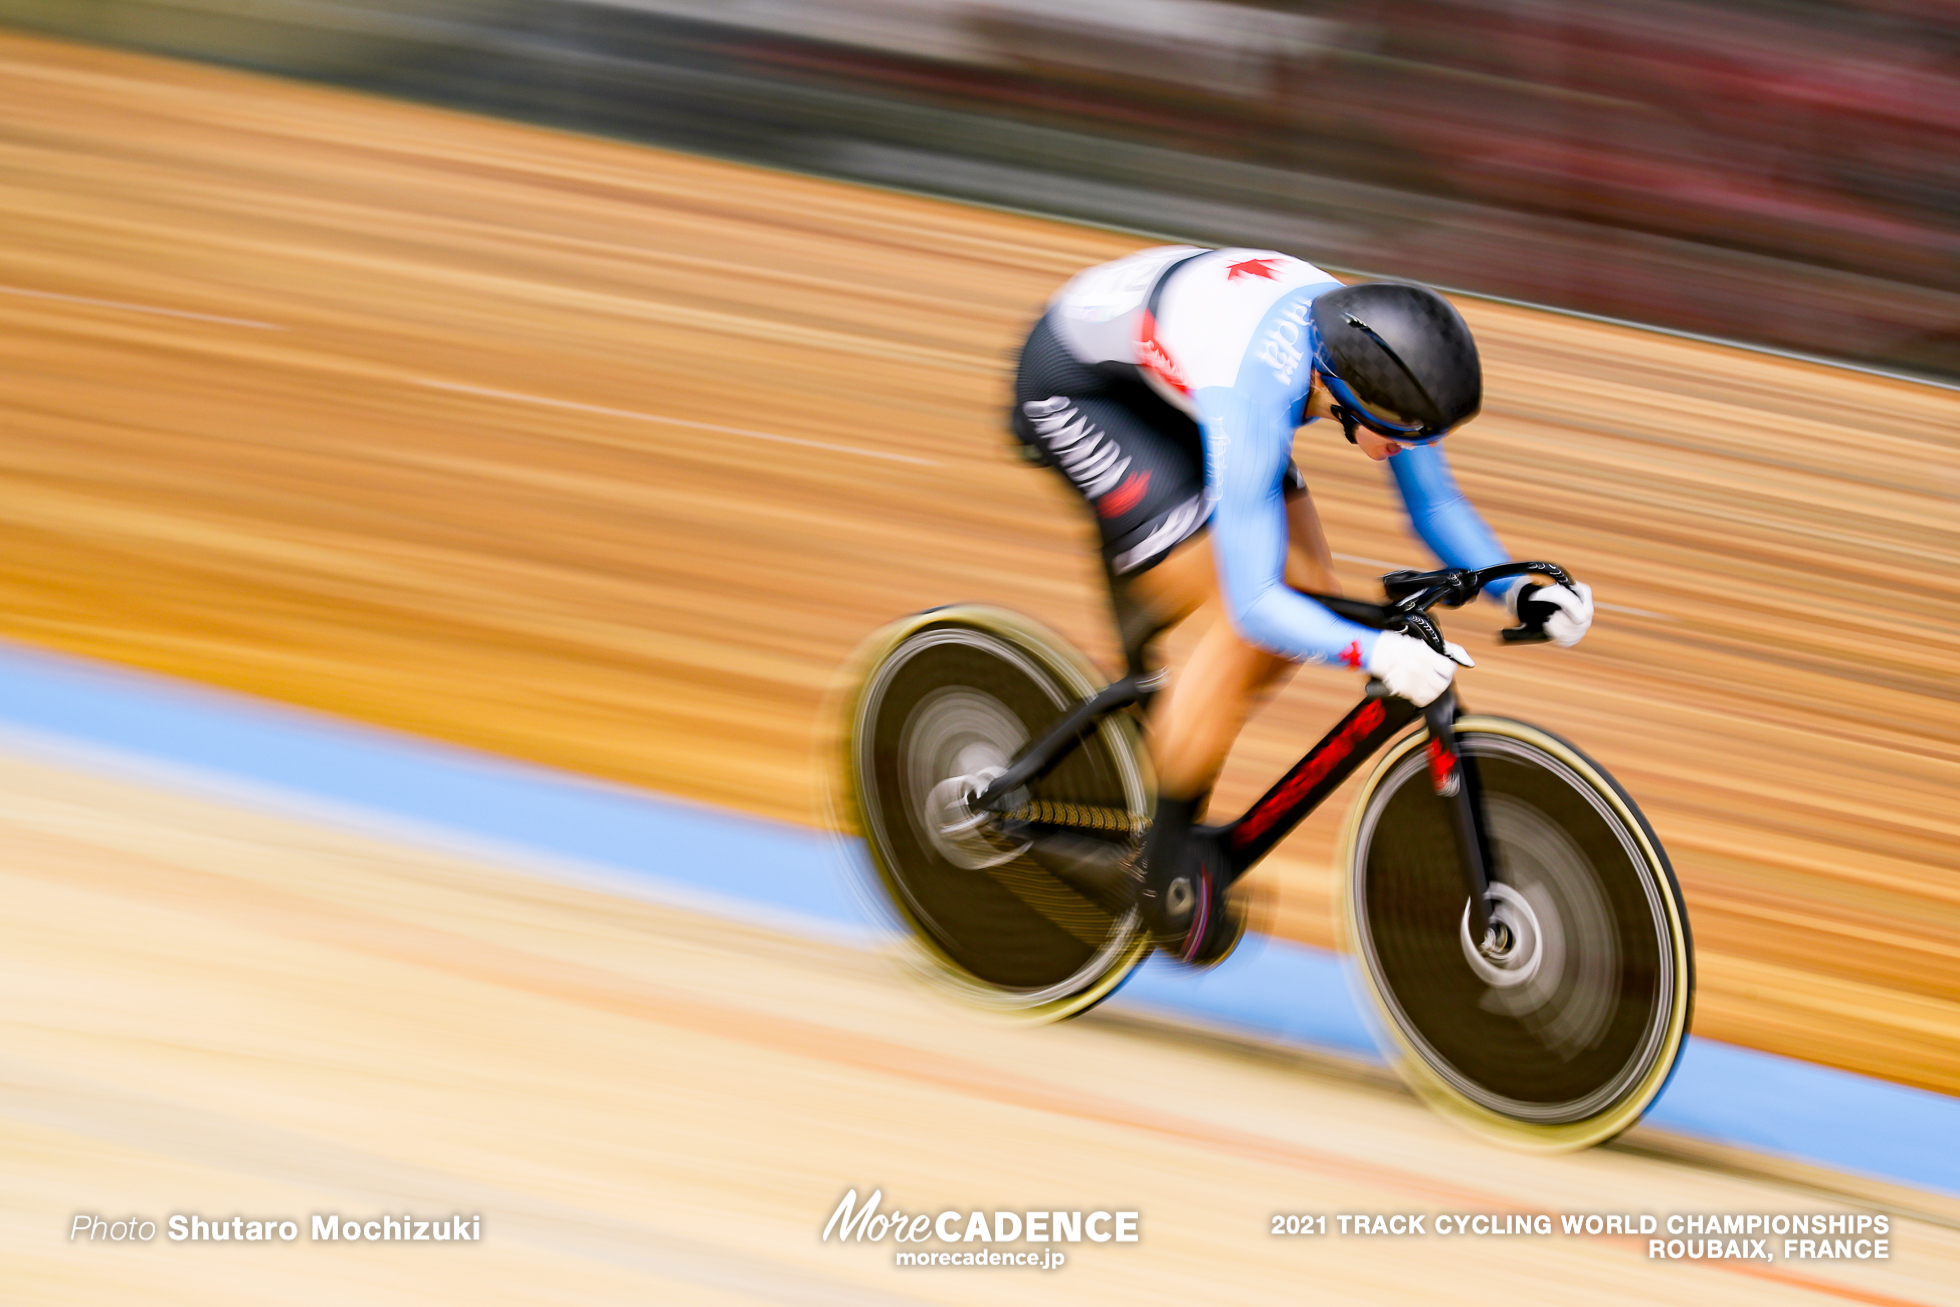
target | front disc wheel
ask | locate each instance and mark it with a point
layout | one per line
(1562, 1029)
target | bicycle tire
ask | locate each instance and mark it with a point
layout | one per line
(1570, 1044)
(950, 691)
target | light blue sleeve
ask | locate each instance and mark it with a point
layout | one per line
(1248, 435)
(1442, 517)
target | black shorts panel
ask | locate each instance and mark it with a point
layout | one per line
(1136, 461)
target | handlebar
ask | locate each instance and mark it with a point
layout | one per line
(1412, 594)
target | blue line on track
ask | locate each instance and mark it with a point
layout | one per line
(1273, 989)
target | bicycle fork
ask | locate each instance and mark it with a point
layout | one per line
(1455, 779)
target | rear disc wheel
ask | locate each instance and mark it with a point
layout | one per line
(949, 699)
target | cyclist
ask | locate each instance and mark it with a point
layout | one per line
(1166, 387)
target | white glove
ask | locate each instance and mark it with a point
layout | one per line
(1569, 624)
(1409, 668)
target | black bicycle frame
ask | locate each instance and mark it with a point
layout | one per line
(1041, 756)
(1354, 739)
(1371, 724)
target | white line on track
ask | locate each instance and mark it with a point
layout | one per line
(1372, 562)
(138, 308)
(517, 397)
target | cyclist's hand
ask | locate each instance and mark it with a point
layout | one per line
(1565, 614)
(1409, 668)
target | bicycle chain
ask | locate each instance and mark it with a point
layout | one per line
(1082, 816)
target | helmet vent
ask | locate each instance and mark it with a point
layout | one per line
(1389, 350)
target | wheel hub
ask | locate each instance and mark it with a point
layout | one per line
(1513, 949)
(965, 837)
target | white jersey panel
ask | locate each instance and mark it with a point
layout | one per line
(1211, 307)
(1099, 313)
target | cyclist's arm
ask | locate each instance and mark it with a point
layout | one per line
(1443, 518)
(1248, 440)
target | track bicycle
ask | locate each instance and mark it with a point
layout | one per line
(1517, 923)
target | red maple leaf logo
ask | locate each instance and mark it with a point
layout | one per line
(1125, 497)
(1251, 268)
(1352, 655)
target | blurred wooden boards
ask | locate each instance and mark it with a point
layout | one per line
(293, 510)
(215, 1011)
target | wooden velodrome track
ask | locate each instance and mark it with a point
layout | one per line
(218, 1012)
(323, 475)
(309, 512)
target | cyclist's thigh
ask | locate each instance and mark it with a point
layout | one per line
(1195, 721)
(1180, 583)
(1188, 579)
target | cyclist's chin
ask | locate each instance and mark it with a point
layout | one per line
(1379, 448)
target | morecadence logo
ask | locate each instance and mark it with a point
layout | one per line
(1011, 1238)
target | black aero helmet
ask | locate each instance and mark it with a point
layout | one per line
(1398, 359)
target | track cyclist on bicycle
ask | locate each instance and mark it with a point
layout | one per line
(1167, 387)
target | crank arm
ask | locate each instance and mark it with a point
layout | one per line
(1103, 872)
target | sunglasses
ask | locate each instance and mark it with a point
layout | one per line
(1350, 413)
